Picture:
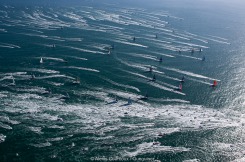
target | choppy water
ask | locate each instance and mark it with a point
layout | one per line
(199, 123)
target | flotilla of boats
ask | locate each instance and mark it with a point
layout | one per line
(109, 48)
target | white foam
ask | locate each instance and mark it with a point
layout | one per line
(7, 45)
(188, 73)
(46, 71)
(37, 130)
(121, 85)
(7, 120)
(223, 41)
(218, 37)
(191, 44)
(56, 127)
(3, 30)
(82, 68)
(132, 44)
(157, 84)
(165, 88)
(192, 160)
(137, 74)
(5, 126)
(54, 76)
(196, 58)
(200, 81)
(55, 83)
(74, 39)
(146, 148)
(41, 145)
(171, 100)
(130, 64)
(55, 139)
(53, 58)
(146, 56)
(3, 95)
(84, 50)
(79, 58)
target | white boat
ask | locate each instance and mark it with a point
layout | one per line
(41, 60)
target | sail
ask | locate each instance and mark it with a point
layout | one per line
(41, 60)
(215, 83)
(180, 87)
(13, 82)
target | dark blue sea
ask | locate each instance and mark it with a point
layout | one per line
(76, 81)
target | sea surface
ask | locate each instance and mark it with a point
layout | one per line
(108, 50)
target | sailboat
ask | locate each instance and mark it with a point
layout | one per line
(65, 96)
(112, 46)
(180, 87)
(150, 70)
(112, 102)
(13, 82)
(160, 59)
(76, 82)
(129, 101)
(47, 92)
(41, 60)
(144, 97)
(154, 78)
(182, 79)
(33, 76)
(192, 51)
(215, 83)
(155, 143)
(203, 58)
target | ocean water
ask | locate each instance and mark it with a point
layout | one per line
(49, 118)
